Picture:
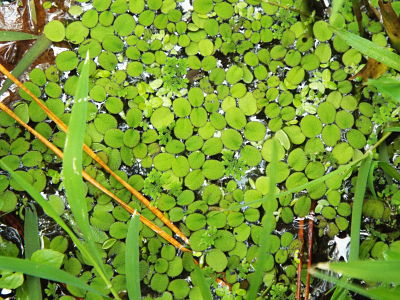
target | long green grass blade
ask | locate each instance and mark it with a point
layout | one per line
(392, 129)
(8, 36)
(48, 209)
(356, 214)
(390, 170)
(375, 293)
(202, 283)
(31, 289)
(388, 86)
(132, 259)
(42, 271)
(368, 270)
(267, 227)
(37, 49)
(369, 48)
(72, 169)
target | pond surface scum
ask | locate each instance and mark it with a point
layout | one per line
(252, 138)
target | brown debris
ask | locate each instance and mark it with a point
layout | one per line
(372, 69)
(391, 22)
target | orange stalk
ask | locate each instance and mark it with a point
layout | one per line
(95, 157)
(300, 265)
(90, 179)
(310, 245)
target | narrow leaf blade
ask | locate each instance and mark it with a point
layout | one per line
(8, 36)
(132, 259)
(389, 170)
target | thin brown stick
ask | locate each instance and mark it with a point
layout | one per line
(300, 265)
(310, 248)
(94, 156)
(90, 179)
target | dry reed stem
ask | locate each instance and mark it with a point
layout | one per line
(310, 245)
(300, 265)
(90, 179)
(94, 156)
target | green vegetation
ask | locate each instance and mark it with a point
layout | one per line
(236, 119)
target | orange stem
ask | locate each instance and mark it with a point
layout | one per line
(310, 245)
(85, 175)
(299, 267)
(94, 156)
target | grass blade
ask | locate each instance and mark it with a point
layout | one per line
(202, 283)
(356, 214)
(72, 169)
(31, 289)
(132, 259)
(42, 271)
(8, 36)
(390, 170)
(376, 293)
(369, 48)
(267, 227)
(388, 86)
(41, 44)
(392, 129)
(368, 270)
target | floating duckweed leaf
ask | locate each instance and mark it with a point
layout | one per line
(213, 169)
(33, 88)
(234, 74)
(195, 221)
(159, 282)
(344, 119)
(202, 6)
(103, 122)
(311, 126)
(314, 170)
(282, 171)
(295, 179)
(294, 77)
(343, 153)
(183, 129)
(182, 107)
(198, 116)
(302, 206)
(250, 155)
(212, 146)
(90, 18)
(248, 104)
(206, 47)
(194, 180)
(326, 112)
(254, 131)
(266, 150)
(180, 288)
(194, 143)
(54, 31)
(324, 52)
(292, 58)
(108, 61)
(32, 158)
(356, 139)
(180, 166)
(37, 76)
(331, 135)
(224, 10)
(322, 31)
(310, 62)
(67, 61)
(162, 117)
(351, 57)
(231, 139)
(195, 96)
(76, 32)
(217, 260)
(235, 118)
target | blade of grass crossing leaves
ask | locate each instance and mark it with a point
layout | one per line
(202, 283)
(387, 86)
(263, 252)
(356, 214)
(41, 44)
(377, 293)
(72, 168)
(31, 289)
(42, 270)
(390, 170)
(368, 270)
(8, 36)
(392, 129)
(48, 209)
(369, 48)
(132, 259)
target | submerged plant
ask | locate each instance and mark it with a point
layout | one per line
(174, 74)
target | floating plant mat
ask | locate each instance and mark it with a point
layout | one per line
(186, 101)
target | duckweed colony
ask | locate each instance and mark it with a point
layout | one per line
(186, 100)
